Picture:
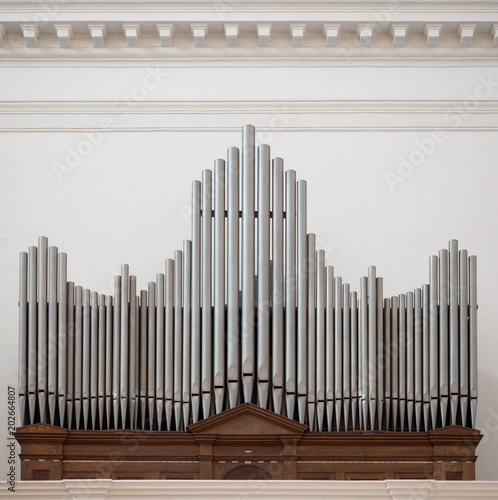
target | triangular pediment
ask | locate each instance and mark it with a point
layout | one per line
(40, 427)
(451, 430)
(247, 419)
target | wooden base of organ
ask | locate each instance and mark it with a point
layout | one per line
(247, 442)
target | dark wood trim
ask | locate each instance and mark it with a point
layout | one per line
(246, 435)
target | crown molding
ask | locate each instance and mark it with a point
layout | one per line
(227, 116)
(248, 33)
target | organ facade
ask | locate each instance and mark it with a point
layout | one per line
(248, 314)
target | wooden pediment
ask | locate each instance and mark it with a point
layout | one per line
(452, 430)
(247, 419)
(45, 428)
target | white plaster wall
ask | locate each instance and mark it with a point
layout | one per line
(128, 200)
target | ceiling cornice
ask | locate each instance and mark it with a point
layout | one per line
(272, 33)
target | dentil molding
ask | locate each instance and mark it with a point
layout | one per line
(248, 33)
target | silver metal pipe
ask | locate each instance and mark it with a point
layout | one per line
(196, 300)
(311, 385)
(133, 353)
(278, 285)
(169, 344)
(290, 292)
(321, 280)
(453, 323)
(394, 362)
(109, 332)
(418, 357)
(70, 353)
(354, 359)
(163, 348)
(387, 363)
(23, 335)
(151, 353)
(473, 337)
(42, 354)
(410, 360)
(463, 290)
(444, 353)
(426, 396)
(62, 334)
(32, 332)
(433, 338)
(78, 353)
(207, 334)
(94, 358)
(219, 374)
(187, 297)
(402, 360)
(52, 333)
(124, 342)
(363, 352)
(263, 259)
(329, 346)
(338, 361)
(101, 362)
(302, 299)
(116, 350)
(380, 351)
(247, 325)
(143, 357)
(372, 344)
(87, 356)
(346, 356)
(137, 350)
(233, 344)
(177, 360)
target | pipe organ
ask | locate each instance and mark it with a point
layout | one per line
(248, 311)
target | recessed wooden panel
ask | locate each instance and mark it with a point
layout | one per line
(41, 475)
(365, 476)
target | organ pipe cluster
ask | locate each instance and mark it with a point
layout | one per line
(248, 312)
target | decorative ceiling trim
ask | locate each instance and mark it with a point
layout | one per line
(468, 115)
(285, 33)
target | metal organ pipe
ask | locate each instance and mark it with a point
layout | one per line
(233, 327)
(290, 292)
(206, 331)
(263, 291)
(311, 382)
(247, 243)
(329, 345)
(186, 339)
(219, 284)
(321, 294)
(248, 311)
(302, 300)
(196, 300)
(277, 300)
(176, 321)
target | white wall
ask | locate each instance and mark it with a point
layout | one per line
(127, 201)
